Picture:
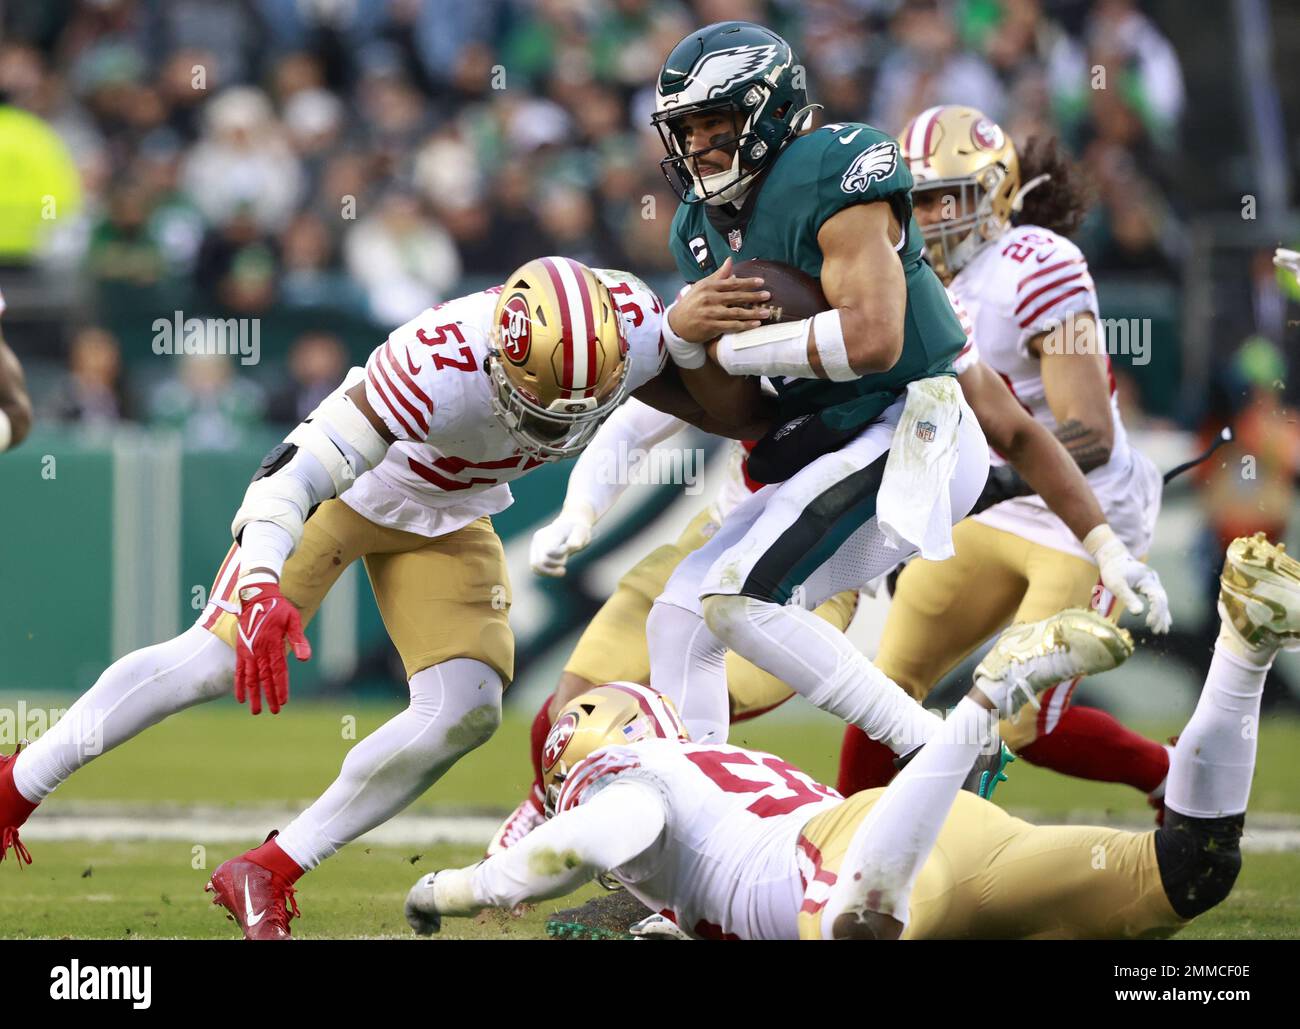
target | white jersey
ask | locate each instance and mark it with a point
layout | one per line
(454, 458)
(726, 864)
(1026, 283)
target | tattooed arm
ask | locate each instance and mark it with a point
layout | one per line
(1078, 392)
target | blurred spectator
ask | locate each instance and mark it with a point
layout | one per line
(91, 392)
(317, 364)
(212, 407)
(927, 67)
(404, 260)
(243, 162)
(238, 263)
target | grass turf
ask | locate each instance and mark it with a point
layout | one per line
(220, 755)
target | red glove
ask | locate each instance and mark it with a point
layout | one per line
(266, 621)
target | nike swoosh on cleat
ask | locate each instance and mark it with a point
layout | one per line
(250, 919)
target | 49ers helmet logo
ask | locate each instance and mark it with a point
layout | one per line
(987, 134)
(558, 739)
(516, 329)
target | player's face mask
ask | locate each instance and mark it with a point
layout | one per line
(719, 136)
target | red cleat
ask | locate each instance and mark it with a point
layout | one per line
(14, 811)
(259, 900)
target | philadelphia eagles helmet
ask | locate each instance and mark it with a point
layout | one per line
(743, 70)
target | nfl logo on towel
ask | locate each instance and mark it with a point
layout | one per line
(734, 238)
(925, 431)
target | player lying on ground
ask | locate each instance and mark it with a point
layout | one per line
(877, 455)
(728, 842)
(613, 647)
(15, 405)
(995, 223)
(419, 445)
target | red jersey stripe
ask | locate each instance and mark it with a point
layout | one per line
(416, 392)
(1054, 284)
(388, 404)
(387, 364)
(1047, 271)
(1052, 303)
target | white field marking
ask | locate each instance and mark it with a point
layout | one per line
(107, 822)
(214, 825)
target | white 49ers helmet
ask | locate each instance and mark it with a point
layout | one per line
(615, 713)
(558, 358)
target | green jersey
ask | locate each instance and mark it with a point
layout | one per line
(816, 176)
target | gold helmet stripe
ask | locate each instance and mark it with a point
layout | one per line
(573, 297)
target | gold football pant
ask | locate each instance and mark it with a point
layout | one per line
(440, 598)
(993, 876)
(943, 610)
(613, 646)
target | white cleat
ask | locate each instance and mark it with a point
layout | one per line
(1029, 658)
(657, 927)
(523, 820)
(1259, 593)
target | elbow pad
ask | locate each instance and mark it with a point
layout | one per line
(320, 459)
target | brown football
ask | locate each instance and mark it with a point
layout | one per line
(795, 294)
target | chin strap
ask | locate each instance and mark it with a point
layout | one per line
(1018, 201)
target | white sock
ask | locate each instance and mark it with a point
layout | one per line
(894, 841)
(1214, 762)
(688, 665)
(818, 661)
(135, 692)
(455, 706)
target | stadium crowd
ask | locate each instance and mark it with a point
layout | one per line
(378, 157)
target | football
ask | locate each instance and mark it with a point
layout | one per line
(795, 294)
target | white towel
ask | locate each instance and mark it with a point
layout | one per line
(913, 503)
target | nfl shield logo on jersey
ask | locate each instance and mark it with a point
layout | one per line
(735, 240)
(925, 431)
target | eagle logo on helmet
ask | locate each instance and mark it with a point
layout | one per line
(718, 72)
(516, 329)
(875, 163)
(558, 739)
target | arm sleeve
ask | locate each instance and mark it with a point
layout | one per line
(617, 825)
(598, 479)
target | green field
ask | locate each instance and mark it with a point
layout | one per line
(220, 756)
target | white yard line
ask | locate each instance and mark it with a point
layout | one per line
(115, 822)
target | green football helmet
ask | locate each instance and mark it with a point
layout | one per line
(744, 70)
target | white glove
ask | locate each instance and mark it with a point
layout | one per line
(684, 353)
(1288, 259)
(1127, 577)
(552, 544)
(449, 892)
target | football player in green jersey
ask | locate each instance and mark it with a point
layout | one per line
(869, 378)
